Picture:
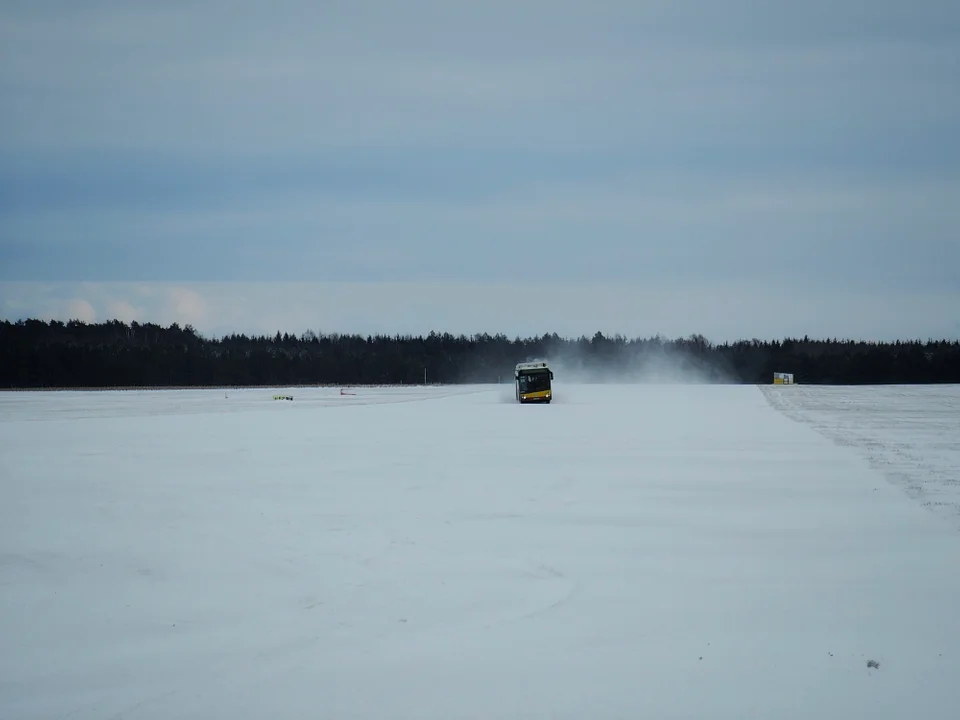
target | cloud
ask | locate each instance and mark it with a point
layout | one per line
(300, 76)
(123, 311)
(515, 308)
(78, 309)
(187, 306)
(631, 226)
(690, 150)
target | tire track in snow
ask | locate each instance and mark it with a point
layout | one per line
(910, 434)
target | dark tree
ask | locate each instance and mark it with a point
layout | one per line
(38, 354)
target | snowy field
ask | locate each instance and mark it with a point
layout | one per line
(911, 434)
(626, 552)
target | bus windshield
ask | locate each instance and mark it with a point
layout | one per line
(534, 382)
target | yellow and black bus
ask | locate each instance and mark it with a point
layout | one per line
(532, 381)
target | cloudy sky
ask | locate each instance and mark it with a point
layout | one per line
(738, 168)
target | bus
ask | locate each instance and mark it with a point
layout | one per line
(532, 382)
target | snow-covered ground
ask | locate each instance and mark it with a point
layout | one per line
(626, 552)
(911, 434)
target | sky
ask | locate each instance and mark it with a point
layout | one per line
(738, 169)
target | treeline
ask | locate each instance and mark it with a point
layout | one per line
(39, 354)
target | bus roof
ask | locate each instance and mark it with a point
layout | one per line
(538, 365)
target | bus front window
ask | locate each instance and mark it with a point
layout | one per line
(534, 382)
